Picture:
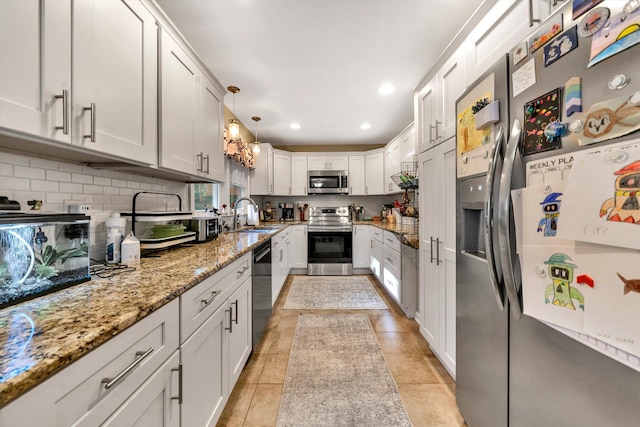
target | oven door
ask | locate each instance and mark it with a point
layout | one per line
(330, 253)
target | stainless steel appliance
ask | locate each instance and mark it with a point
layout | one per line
(328, 182)
(512, 369)
(330, 242)
(287, 212)
(206, 229)
(261, 290)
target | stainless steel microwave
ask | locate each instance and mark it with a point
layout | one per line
(328, 182)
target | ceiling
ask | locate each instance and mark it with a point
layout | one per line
(319, 63)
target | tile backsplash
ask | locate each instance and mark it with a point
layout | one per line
(58, 184)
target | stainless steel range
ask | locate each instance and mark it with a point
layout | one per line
(330, 242)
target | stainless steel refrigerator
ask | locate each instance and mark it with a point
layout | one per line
(512, 369)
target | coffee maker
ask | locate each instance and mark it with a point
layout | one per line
(287, 211)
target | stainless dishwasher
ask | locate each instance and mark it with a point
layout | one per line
(261, 290)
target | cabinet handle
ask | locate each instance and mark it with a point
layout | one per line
(140, 356)
(207, 159)
(230, 328)
(289, 190)
(305, 189)
(371, 244)
(65, 112)
(438, 251)
(236, 304)
(436, 127)
(431, 133)
(531, 19)
(366, 190)
(554, 3)
(179, 371)
(206, 302)
(431, 249)
(389, 260)
(199, 157)
(241, 272)
(92, 132)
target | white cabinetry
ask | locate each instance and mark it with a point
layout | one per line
(261, 178)
(114, 383)
(299, 174)
(35, 74)
(361, 246)
(435, 103)
(376, 253)
(298, 247)
(437, 169)
(374, 173)
(279, 262)
(328, 162)
(357, 184)
(392, 159)
(211, 130)
(281, 178)
(215, 325)
(399, 272)
(408, 144)
(114, 107)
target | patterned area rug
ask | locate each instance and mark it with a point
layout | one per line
(337, 376)
(333, 292)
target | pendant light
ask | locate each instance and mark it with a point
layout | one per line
(256, 144)
(234, 125)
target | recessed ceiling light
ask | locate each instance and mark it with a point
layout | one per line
(365, 126)
(294, 126)
(386, 89)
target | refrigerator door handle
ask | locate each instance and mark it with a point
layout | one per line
(504, 210)
(488, 219)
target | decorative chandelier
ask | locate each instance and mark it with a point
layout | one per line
(256, 143)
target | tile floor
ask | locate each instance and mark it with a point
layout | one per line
(426, 389)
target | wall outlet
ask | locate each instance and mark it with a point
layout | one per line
(83, 209)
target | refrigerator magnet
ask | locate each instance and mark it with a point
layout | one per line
(619, 33)
(594, 20)
(580, 7)
(565, 43)
(538, 114)
(519, 53)
(550, 30)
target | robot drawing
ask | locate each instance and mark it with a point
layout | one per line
(624, 206)
(551, 210)
(561, 272)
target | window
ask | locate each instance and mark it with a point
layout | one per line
(235, 193)
(205, 195)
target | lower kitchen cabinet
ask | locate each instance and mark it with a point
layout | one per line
(361, 245)
(280, 248)
(298, 247)
(239, 331)
(400, 273)
(376, 253)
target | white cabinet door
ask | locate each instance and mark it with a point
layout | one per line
(425, 110)
(35, 74)
(328, 162)
(205, 371)
(374, 182)
(261, 178)
(155, 404)
(240, 331)
(451, 84)
(361, 246)
(179, 109)
(392, 159)
(437, 250)
(357, 175)
(318, 163)
(115, 79)
(211, 130)
(298, 239)
(339, 163)
(376, 259)
(298, 175)
(281, 178)
(408, 145)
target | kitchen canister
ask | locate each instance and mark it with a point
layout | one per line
(130, 249)
(113, 246)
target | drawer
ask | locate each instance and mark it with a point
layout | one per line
(392, 241)
(199, 302)
(77, 395)
(376, 233)
(392, 259)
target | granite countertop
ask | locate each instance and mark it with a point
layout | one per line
(42, 336)
(407, 233)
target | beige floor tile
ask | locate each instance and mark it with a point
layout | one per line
(264, 345)
(429, 405)
(287, 324)
(282, 342)
(263, 411)
(396, 342)
(253, 369)
(442, 372)
(275, 368)
(420, 342)
(238, 405)
(411, 369)
(388, 324)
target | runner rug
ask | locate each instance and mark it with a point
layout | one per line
(337, 376)
(333, 292)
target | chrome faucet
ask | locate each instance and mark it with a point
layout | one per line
(235, 209)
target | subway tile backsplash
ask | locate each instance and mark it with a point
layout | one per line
(25, 178)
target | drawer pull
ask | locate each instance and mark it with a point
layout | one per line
(179, 371)
(230, 328)
(92, 132)
(140, 356)
(390, 260)
(236, 304)
(207, 301)
(65, 112)
(241, 272)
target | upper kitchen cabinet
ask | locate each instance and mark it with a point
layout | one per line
(508, 22)
(261, 178)
(281, 179)
(435, 103)
(392, 160)
(114, 108)
(408, 143)
(357, 184)
(374, 180)
(329, 162)
(299, 180)
(211, 129)
(35, 81)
